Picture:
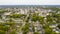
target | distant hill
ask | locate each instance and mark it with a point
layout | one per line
(22, 6)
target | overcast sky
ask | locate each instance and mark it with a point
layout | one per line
(29, 2)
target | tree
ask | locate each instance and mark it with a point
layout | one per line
(6, 28)
(2, 32)
(25, 28)
(36, 33)
(58, 26)
(13, 31)
(33, 28)
(17, 15)
(36, 17)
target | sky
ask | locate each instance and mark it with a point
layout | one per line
(29, 2)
